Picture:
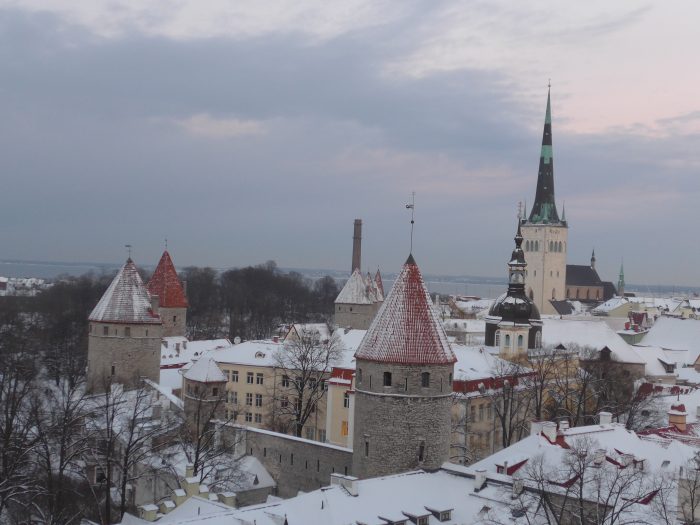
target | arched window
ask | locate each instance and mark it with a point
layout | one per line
(554, 294)
(551, 246)
(560, 246)
(588, 294)
(597, 294)
(537, 246)
(497, 341)
(577, 293)
(507, 341)
(520, 341)
(532, 295)
(538, 340)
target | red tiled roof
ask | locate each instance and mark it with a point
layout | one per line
(126, 300)
(166, 284)
(407, 330)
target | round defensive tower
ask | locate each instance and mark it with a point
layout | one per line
(403, 384)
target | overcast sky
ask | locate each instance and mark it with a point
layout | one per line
(247, 131)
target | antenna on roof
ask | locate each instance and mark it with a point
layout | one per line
(166, 244)
(128, 249)
(412, 207)
(520, 210)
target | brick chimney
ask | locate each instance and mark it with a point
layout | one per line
(357, 246)
(677, 417)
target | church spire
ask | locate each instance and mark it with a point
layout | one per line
(545, 210)
(621, 281)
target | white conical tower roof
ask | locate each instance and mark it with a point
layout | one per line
(126, 300)
(407, 330)
(205, 370)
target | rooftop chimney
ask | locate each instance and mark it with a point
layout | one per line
(549, 429)
(357, 246)
(604, 418)
(677, 417)
(535, 428)
(479, 479)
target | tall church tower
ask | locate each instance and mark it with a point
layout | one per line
(513, 324)
(403, 384)
(545, 234)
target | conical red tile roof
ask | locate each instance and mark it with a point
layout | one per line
(407, 330)
(166, 284)
(126, 300)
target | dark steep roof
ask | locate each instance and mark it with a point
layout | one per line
(407, 330)
(562, 307)
(609, 290)
(166, 285)
(582, 275)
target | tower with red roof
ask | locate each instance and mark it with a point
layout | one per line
(166, 285)
(124, 334)
(404, 368)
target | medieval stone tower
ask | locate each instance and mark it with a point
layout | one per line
(124, 334)
(545, 234)
(513, 324)
(166, 285)
(403, 384)
(360, 299)
(204, 394)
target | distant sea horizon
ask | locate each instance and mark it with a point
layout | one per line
(468, 285)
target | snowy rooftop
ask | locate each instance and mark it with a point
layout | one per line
(357, 290)
(476, 362)
(407, 329)
(675, 334)
(178, 350)
(126, 300)
(472, 326)
(588, 333)
(388, 497)
(205, 370)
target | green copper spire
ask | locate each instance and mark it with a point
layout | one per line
(544, 211)
(621, 281)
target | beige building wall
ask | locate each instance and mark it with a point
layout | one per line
(339, 414)
(584, 293)
(546, 266)
(254, 394)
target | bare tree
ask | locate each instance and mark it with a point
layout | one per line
(510, 396)
(305, 362)
(584, 488)
(689, 491)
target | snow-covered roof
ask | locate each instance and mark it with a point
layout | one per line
(356, 291)
(205, 370)
(391, 496)
(476, 362)
(588, 333)
(126, 300)
(407, 330)
(675, 334)
(609, 305)
(177, 350)
(166, 284)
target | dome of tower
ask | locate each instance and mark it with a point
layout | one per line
(514, 308)
(407, 330)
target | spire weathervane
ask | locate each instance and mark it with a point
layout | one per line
(166, 244)
(412, 207)
(128, 249)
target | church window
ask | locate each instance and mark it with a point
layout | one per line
(527, 246)
(588, 294)
(127, 331)
(551, 273)
(568, 293)
(560, 246)
(597, 294)
(534, 273)
(551, 246)
(425, 379)
(554, 294)
(520, 341)
(577, 293)
(537, 246)
(387, 378)
(497, 342)
(557, 273)
(532, 295)
(507, 342)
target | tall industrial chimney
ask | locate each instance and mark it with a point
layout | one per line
(357, 246)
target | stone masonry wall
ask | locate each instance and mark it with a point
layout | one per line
(174, 321)
(132, 356)
(396, 425)
(358, 316)
(294, 463)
